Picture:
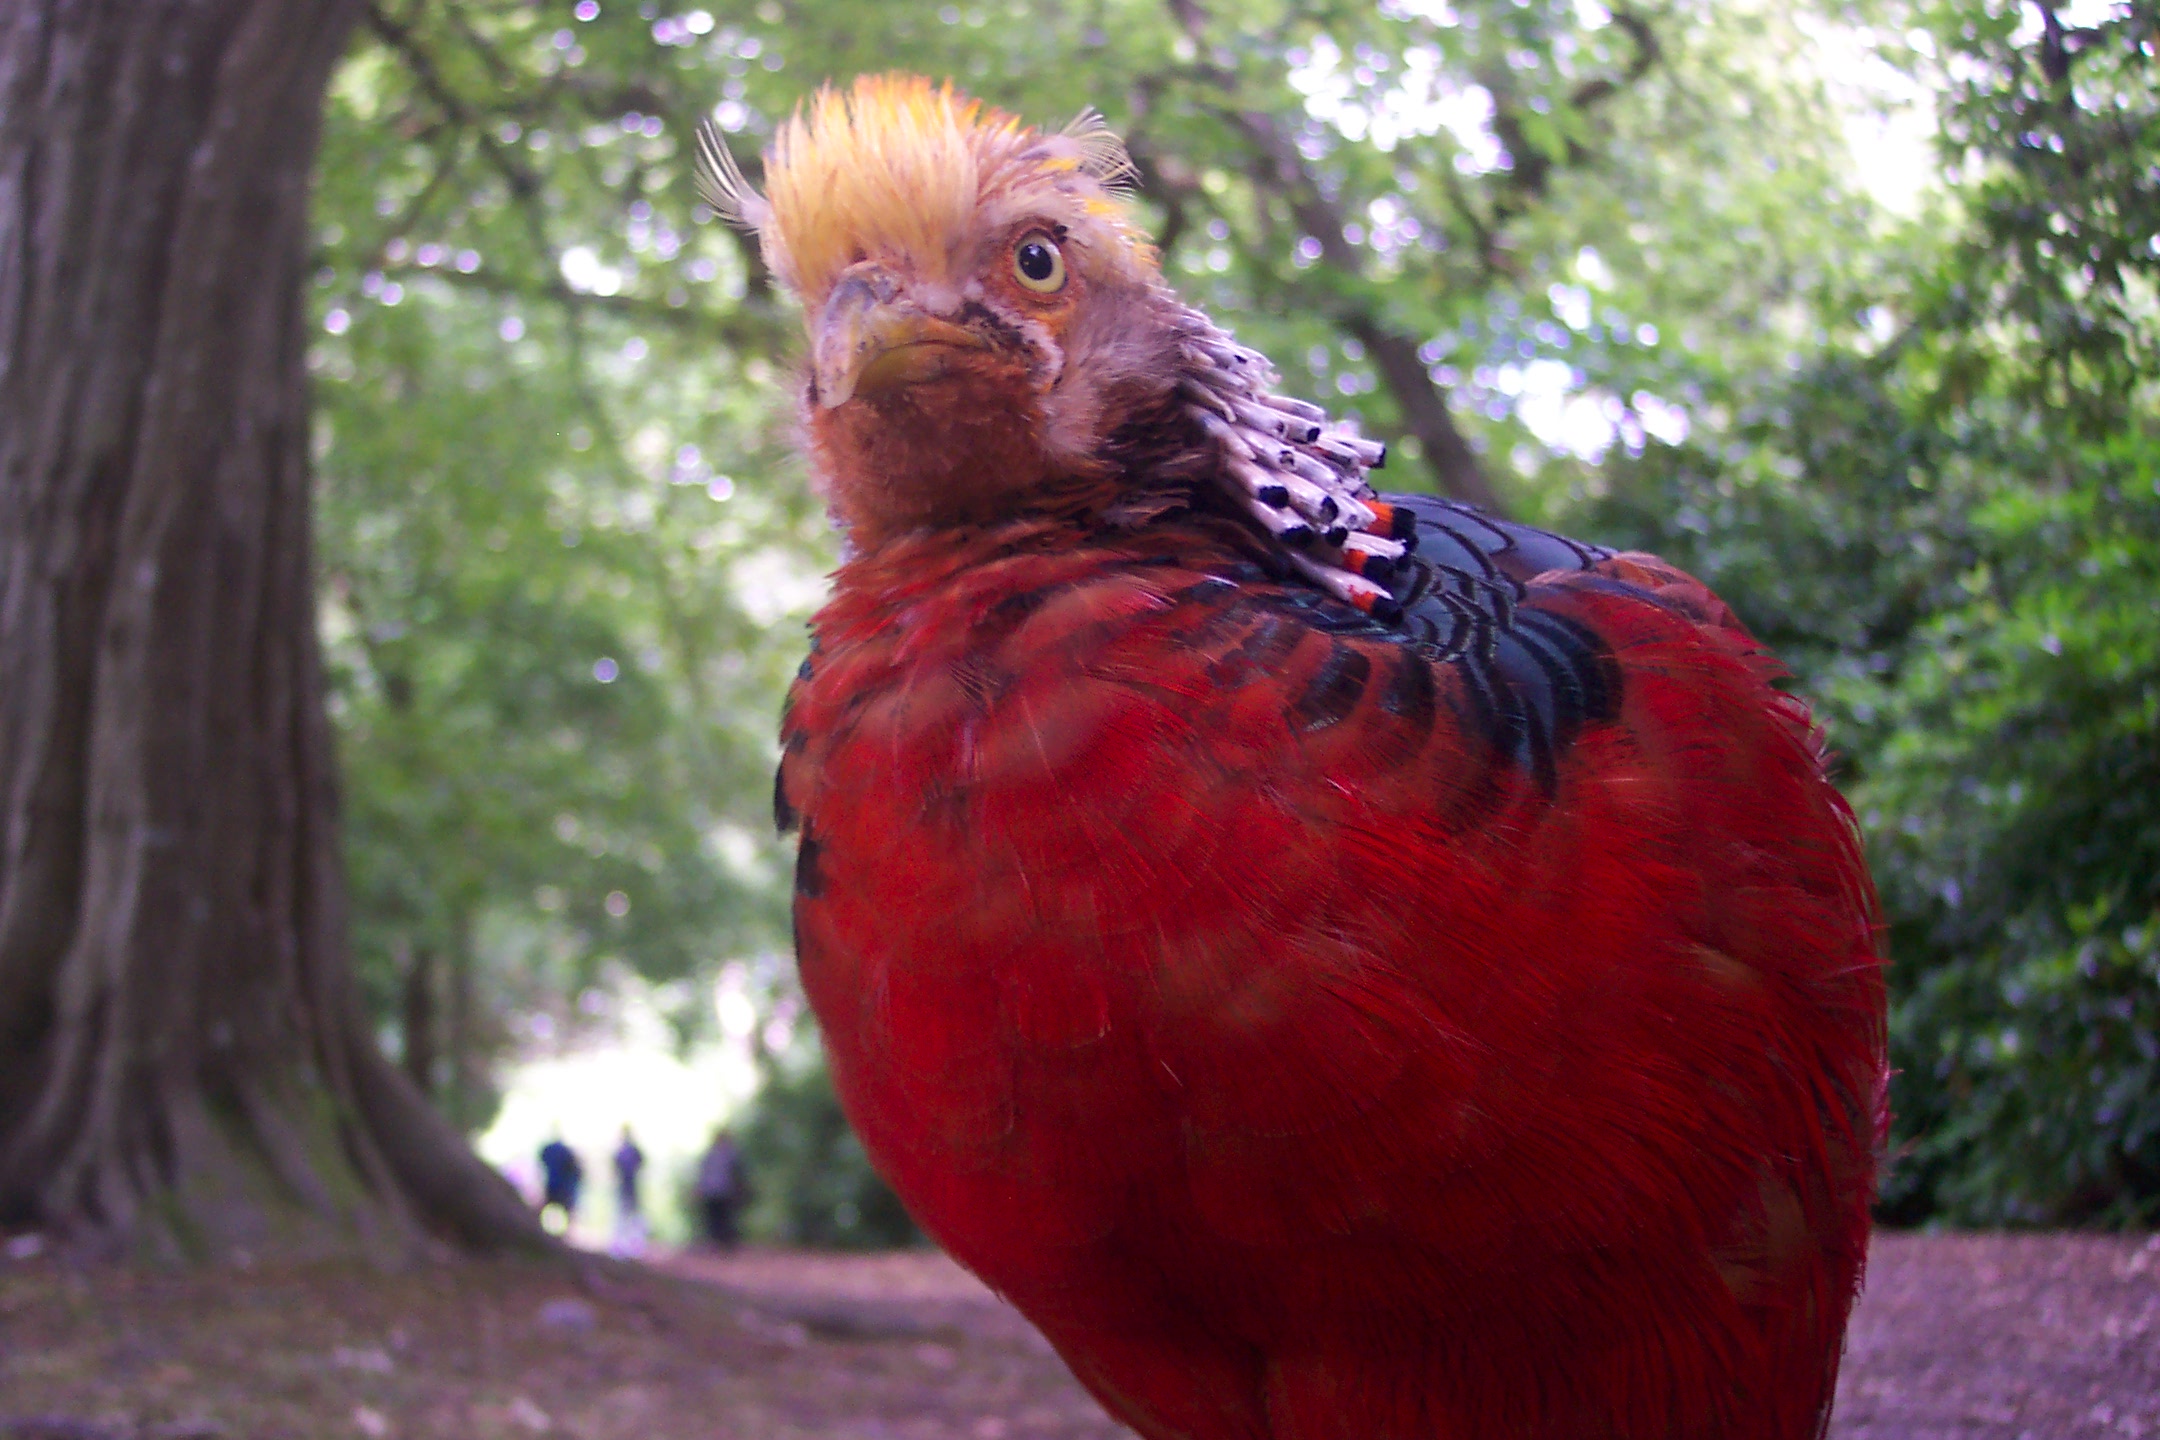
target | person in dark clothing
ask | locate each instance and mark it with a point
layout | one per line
(629, 1162)
(720, 1189)
(563, 1173)
(629, 1213)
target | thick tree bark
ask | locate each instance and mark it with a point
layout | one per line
(416, 1018)
(468, 1077)
(184, 1066)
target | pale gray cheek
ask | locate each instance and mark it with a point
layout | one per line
(1071, 411)
(1047, 361)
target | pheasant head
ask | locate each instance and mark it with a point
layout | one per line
(990, 336)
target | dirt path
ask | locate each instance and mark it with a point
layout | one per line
(1995, 1337)
(1971, 1337)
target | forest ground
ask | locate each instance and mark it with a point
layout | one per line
(1959, 1337)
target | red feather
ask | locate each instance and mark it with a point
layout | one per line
(1321, 1034)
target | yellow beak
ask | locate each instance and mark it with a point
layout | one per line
(870, 338)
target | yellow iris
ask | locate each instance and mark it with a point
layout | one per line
(1038, 265)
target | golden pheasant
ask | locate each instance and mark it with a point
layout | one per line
(1348, 967)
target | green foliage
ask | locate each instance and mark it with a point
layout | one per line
(2024, 775)
(2052, 295)
(2015, 790)
(557, 527)
(811, 1184)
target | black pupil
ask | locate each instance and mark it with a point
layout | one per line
(1036, 261)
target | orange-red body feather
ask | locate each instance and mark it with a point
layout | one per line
(1323, 1037)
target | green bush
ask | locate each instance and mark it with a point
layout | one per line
(2024, 862)
(811, 1184)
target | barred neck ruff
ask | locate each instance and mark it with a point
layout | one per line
(1288, 472)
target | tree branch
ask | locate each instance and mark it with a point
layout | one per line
(1530, 179)
(1279, 169)
(1420, 399)
(739, 330)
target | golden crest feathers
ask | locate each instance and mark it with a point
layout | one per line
(895, 163)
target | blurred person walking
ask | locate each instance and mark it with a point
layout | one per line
(629, 1213)
(720, 1189)
(563, 1173)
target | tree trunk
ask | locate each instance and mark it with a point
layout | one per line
(468, 1080)
(184, 1066)
(416, 1017)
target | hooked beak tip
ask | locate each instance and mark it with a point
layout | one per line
(865, 344)
(834, 390)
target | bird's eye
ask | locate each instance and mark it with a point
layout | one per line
(1038, 265)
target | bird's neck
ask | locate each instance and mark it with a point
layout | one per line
(948, 455)
(919, 460)
(968, 575)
